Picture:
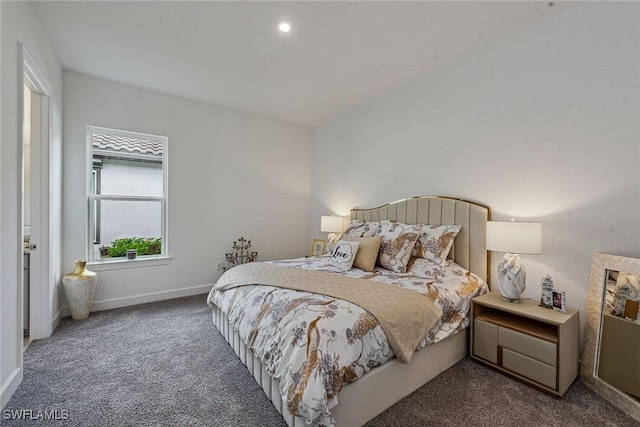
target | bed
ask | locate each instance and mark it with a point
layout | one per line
(375, 379)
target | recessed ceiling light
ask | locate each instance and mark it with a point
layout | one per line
(284, 25)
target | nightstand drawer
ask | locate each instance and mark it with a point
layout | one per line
(486, 340)
(533, 347)
(529, 368)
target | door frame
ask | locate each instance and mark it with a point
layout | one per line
(41, 273)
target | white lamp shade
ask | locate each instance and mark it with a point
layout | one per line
(514, 237)
(331, 224)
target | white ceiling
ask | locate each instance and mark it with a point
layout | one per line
(338, 56)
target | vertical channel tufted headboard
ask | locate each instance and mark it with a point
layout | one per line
(470, 247)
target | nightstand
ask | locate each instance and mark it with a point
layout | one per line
(535, 345)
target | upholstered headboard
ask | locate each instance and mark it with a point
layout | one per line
(470, 247)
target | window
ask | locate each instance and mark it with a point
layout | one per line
(128, 194)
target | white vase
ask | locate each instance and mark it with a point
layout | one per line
(80, 288)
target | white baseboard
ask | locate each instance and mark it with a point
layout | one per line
(56, 319)
(10, 386)
(108, 304)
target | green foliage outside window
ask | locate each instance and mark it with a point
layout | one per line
(119, 247)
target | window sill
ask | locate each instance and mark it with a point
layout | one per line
(120, 264)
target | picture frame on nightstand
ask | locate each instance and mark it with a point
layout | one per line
(559, 301)
(317, 247)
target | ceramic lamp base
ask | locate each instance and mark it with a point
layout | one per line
(332, 238)
(512, 277)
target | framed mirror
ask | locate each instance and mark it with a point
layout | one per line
(611, 352)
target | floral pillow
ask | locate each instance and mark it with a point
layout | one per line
(343, 254)
(358, 228)
(398, 241)
(435, 242)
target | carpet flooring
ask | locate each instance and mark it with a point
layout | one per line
(165, 364)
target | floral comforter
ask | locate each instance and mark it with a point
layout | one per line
(316, 344)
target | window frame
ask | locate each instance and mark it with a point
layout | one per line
(93, 201)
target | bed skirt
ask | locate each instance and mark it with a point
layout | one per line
(367, 397)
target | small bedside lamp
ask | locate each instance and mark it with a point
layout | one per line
(513, 238)
(332, 225)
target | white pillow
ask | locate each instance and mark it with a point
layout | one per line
(344, 253)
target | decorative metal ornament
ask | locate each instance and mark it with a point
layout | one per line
(546, 297)
(627, 288)
(623, 291)
(242, 255)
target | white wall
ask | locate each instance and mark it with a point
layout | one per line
(19, 24)
(230, 175)
(542, 126)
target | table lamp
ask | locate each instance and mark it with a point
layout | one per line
(513, 238)
(332, 225)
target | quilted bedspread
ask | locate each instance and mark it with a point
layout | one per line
(404, 318)
(316, 344)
